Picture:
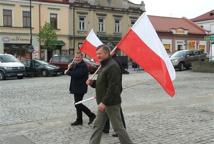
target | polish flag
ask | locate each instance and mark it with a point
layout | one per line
(143, 45)
(90, 44)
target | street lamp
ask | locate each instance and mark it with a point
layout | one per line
(30, 23)
(30, 47)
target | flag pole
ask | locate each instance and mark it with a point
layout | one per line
(69, 65)
(79, 102)
(111, 53)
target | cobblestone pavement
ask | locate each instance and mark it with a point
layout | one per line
(40, 110)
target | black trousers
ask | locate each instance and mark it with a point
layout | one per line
(81, 108)
(107, 125)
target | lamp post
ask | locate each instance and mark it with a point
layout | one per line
(31, 47)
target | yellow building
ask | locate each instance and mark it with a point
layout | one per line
(15, 26)
(110, 19)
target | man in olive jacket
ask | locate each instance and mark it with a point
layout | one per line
(108, 90)
(79, 74)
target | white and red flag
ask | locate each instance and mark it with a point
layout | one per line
(90, 44)
(143, 45)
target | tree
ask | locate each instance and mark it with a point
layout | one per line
(46, 35)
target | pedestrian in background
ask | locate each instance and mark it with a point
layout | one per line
(78, 71)
(108, 90)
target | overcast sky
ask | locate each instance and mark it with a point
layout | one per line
(177, 8)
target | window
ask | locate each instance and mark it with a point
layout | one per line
(26, 18)
(81, 23)
(7, 17)
(53, 20)
(191, 44)
(133, 22)
(101, 24)
(167, 47)
(117, 26)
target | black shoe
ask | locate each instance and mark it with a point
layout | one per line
(115, 135)
(106, 131)
(91, 119)
(76, 123)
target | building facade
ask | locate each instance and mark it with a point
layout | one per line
(179, 33)
(206, 21)
(110, 19)
(15, 24)
(71, 19)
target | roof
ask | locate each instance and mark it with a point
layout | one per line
(207, 16)
(166, 24)
(54, 1)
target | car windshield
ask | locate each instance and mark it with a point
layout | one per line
(42, 62)
(62, 58)
(89, 61)
(8, 58)
(179, 54)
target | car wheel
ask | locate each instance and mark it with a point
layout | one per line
(181, 66)
(2, 76)
(44, 73)
(20, 77)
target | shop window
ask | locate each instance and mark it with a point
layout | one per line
(191, 45)
(167, 47)
(201, 48)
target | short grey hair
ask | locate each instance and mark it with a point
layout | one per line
(105, 48)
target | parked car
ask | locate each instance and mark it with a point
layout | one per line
(92, 66)
(37, 67)
(63, 60)
(182, 59)
(10, 67)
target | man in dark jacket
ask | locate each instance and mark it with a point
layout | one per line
(108, 90)
(107, 125)
(79, 74)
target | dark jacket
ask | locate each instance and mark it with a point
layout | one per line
(109, 83)
(79, 74)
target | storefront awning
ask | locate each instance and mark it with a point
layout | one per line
(56, 43)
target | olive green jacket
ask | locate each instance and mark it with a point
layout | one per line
(109, 83)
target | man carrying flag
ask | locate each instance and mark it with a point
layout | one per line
(108, 90)
(89, 47)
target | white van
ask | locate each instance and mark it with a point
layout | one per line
(10, 67)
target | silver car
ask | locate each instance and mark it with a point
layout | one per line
(184, 58)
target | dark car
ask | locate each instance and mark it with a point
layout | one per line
(62, 62)
(37, 67)
(92, 66)
(184, 58)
